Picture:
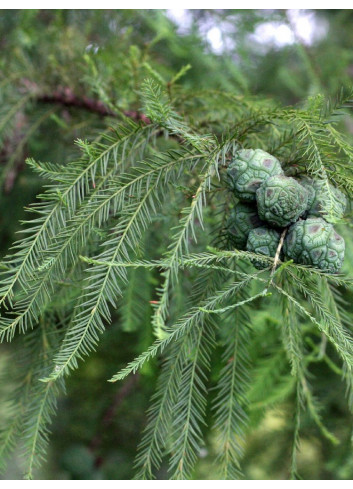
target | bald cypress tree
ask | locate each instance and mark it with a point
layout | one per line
(127, 239)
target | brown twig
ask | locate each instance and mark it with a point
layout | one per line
(67, 98)
(278, 251)
(110, 413)
(10, 168)
(276, 260)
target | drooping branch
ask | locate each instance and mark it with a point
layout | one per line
(65, 97)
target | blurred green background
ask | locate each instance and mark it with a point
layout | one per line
(285, 55)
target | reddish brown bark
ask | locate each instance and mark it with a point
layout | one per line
(67, 98)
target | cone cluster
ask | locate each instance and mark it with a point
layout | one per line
(269, 202)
